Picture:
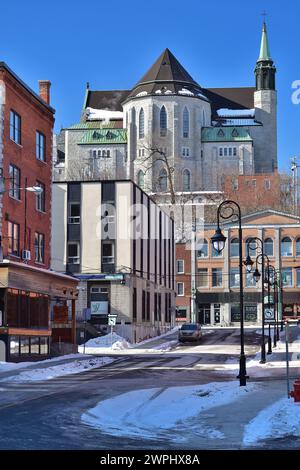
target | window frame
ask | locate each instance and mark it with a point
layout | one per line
(291, 243)
(15, 126)
(12, 239)
(200, 275)
(177, 289)
(177, 263)
(40, 202)
(215, 275)
(14, 188)
(163, 121)
(141, 123)
(40, 146)
(73, 257)
(39, 247)
(185, 123)
(204, 242)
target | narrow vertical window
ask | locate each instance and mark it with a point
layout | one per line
(141, 124)
(15, 127)
(40, 146)
(186, 123)
(186, 179)
(163, 122)
(141, 179)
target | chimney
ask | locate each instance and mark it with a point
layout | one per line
(44, 90)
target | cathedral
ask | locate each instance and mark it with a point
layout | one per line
(171, 135)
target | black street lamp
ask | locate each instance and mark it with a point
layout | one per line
(231, 210)
(273, 283)
(256, 244)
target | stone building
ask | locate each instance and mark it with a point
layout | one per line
(169, 134)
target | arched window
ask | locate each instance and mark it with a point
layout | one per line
(163, 121)
(186, 123)
(203, 118)
(286, 247)
(202, 251)
(234, 247)
(163, 180)
(186, 180)
(268, 247)
(252, 248)
(141, 179)
(141, 124)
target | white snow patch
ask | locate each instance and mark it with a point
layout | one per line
(158, 92)
(111, 341)
(225, 112)
(74, 367)
(276, 421)
(103, 114)
(142, 93)
(163, 413)
(184, 91)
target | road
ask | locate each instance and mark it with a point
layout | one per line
(47, 415)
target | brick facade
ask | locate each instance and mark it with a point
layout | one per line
(35, 115)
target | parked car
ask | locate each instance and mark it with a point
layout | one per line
(190, 332)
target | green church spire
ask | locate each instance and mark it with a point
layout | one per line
(264, 53)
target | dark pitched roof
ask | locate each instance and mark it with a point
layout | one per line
(110, 99)
(167, 69)
(166, 74)
(231, 98)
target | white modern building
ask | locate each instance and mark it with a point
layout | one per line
(120, 245)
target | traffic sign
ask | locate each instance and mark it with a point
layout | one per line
(269, 315)
(112, 319)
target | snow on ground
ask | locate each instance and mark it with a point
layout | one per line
(10, 366)
(278, 420)
(111, 341)
(109, 344)
(164, 413)
(74, 367)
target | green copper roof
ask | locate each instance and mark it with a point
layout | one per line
(95, 125)
(225, 134)
(104, 136)
(264, 53)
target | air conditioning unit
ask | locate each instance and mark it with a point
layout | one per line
(26, 255)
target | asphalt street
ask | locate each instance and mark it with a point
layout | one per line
(47, 415)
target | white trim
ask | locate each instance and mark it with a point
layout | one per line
(177, 261)
(180, 295)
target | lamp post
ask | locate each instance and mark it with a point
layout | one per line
(273, 283)
(254, 244)
(231, 210)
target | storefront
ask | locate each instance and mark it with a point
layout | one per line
(26, 293)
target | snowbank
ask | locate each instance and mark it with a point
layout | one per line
(276, 421)
(164, 413)
(74, 367)
(111, 341)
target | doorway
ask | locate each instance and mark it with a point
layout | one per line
(204, 314)
(2, 351)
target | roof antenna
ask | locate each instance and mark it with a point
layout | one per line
(87, 85)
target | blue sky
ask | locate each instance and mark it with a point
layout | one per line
(112, 44)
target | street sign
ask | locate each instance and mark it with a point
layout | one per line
(269, 315)
(112, 319)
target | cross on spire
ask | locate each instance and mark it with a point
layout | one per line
(264, 15)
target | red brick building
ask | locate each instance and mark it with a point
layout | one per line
(183, 280)
(27, 287)
(254, 192)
